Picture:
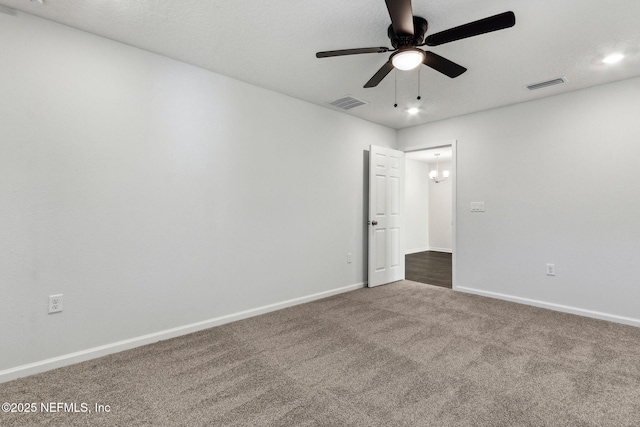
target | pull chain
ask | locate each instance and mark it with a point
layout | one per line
(395, 78)
(419, 85)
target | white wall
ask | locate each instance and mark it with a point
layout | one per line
(416, 204)
(441, 211)
(559, 179)
(154, 194)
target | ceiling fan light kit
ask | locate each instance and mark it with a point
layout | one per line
(407, 32)
(407, 59)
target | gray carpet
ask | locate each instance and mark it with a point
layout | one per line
(404, 354)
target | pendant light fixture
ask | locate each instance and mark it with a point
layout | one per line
(435, 175)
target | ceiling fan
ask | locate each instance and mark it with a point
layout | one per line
(407, 32)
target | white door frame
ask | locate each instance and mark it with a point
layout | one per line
(454, 175)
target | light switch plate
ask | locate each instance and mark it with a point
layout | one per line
(477, 206)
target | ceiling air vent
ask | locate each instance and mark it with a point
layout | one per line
(548, 83)
(347, 102)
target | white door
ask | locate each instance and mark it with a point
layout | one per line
(386, 216)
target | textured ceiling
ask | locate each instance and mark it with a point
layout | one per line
(272, 44)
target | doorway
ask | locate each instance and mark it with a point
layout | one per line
(430, 219)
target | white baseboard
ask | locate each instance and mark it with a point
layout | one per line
(415, 251)
(441, 250)
(104, 350)
(427, 248)
(552, 306)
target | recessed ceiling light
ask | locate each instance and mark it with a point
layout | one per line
(413, 110)
(613, 58)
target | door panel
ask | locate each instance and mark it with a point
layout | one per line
(381, 199)
(381, 245)
(395, 242)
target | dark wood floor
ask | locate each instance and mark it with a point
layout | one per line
(433, 268)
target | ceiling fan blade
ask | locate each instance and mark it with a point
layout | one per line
(443, 65)
(342, 52)
(475, 28)
(381, 74)
(401, 16)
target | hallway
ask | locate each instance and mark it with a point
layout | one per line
(433, 268)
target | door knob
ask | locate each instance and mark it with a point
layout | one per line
(374, 222)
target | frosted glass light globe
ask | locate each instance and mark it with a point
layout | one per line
(407, 59)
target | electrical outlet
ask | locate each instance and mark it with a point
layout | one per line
(55, 303)
(551, 269)
(349, 258)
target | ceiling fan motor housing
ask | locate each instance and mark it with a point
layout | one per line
(402, 41)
